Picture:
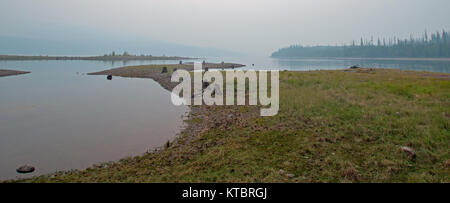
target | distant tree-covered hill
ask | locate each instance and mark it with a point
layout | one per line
(434, 45)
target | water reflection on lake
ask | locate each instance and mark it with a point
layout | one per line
(59, 118)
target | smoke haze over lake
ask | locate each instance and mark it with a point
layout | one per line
(250, 26)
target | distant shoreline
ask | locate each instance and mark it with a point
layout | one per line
(93, 58)
(4, 73)
(368, 58)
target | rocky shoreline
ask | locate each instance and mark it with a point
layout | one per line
(4, 73)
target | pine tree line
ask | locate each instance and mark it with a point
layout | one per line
(428, 45)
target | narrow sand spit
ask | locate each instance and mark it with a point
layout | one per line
(4, 73)
(155, 71)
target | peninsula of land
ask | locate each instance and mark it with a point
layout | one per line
(4, 73)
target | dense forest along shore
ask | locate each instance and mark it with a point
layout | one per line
(434, 45)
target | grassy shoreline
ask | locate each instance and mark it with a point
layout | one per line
(333, 126)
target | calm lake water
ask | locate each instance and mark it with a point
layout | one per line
(304, 64)
(59, 118)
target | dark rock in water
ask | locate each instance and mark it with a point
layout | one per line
(232, 67)
(164, 70)
(109, 77)
(253, 64)
(25, 169)
(181, 62)
(354, 67)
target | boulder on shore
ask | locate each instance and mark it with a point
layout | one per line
(25, 169)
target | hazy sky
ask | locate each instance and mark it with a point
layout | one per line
(252, 26)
